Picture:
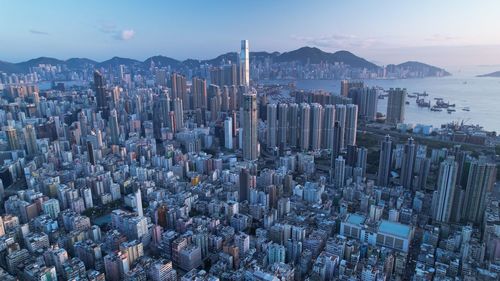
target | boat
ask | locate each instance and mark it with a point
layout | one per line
(450, 110)
(466, 109)
(436, 109)
(407, 102)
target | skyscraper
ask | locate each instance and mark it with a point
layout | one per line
(272, 125)
(407, 164)
(249, 120)
(30, 138)
(178, 87)
(245, 63)
(328, 126)
(114, 127)
(339, 169)
(179, 115)
(228, 133)
(396, 106)
(480, 181)
(385, 159)
(351, 124)
(293, 124)
(12, 138)
(305, 124)
(340, 116)
(317, 112)
(282, 124)
(100, 92)
(446, 186)
(199, 93)
(138, 202)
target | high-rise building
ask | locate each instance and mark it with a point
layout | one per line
(249, 120)
(409, 152)
(178, 88)
(282, 124)
(293, 124)
(328, 126)
(480, 181)
(138, 203)
(351, 124)
(90, 151)
(199, 93)
(116, 265)
(340, 117)
(339, 172)
(446, 186)
(179, 115)
(161, 111)
(114, 127)
(305, 125)
(244, 179)
(228, 133)
(338, 140)
(272, 125)
(12, 138)
(396, 106)
(161, 270)
(100, 92)
(385, 160)
(245, 63)
(30, 138)
(317, 113)
(366, 99)
(51, 207)
(346, 86)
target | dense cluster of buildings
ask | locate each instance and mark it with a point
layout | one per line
(162, 178)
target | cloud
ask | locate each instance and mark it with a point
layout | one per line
(336, 41)
(115, 32)
(38, 32)
(127, 34)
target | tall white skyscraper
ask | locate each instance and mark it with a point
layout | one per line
(245, 63)
(138, 203)
(446, 187)
(228, 133)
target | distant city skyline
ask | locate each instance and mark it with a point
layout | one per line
(443, 33)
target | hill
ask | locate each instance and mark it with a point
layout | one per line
(302, 55)
(493, 74)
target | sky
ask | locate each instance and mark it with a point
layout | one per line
(443, 33)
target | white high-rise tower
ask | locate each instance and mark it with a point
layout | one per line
(245, 63)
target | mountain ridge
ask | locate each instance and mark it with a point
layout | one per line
(302, 55)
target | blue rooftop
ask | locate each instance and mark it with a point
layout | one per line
(394, 228)
(355, 219)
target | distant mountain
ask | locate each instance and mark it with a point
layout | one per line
(315, 55)
(76, 63)
(493, 74)
(303, 55)
(162, 61)
(417, 69)
(115, 61)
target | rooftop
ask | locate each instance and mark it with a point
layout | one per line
(394, 228)
(355, 219)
